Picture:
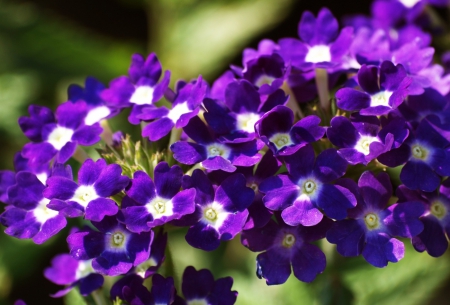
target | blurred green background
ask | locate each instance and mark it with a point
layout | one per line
(45, 45)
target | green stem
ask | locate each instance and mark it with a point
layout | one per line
(99, 297)
(322, 89)
(292, 103)
(175, 136)
(107, 134)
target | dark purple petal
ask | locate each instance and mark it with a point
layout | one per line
(90, 171)
(368, 79)
(111, 181)
(233, 194)
(329, 166)
(335, 201)
(301, 163)
(307, 130)
(302, 212)
(376, 190)
(242, 97)
(418, 175)
(432, 238)
(203, 237)
(158, 129)
(381, 249)
(99, 208)
(60, 188)
(142, 189)
(280, 191)
(404, 219)
(188, 153)
(88, 135)
(349, 237)
(196, 284)
(308, 262)
(350, 99)
(273, 265)
(167, 179)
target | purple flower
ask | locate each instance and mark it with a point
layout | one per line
(220, 213)
(276, 130)
(236, 121)
(425, 154)
(157, 202)
(185, 106)
(385, 88)
(322, 45)
(7, 179)
(371, 226)
(28, 215)
(265, 47)
(212, 153)
(435, 219)
(199, 287)
(361, 139)
(96, 182)
(113, 248)
(157, 256)
(98, 109)
(131, 289)
(285, 246)
(267, 72)
(307, 187)
(58, 138)
(141, 90)
(259, 215)
(66, 270)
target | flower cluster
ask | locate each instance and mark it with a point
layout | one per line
(263, 152)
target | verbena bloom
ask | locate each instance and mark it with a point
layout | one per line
(321, 45)
(220, 212)
(156, 202)
(28, 215)
(307, 188)
(185, 106)
(57, 139)
(424, 154)
(98, 109)
(362, 138)
(199, 287)
(384, 88)
(89, 197)
(141, 89)
(66, 270)
(435, 219)
(276, 130)
(235, 121)
(372, 226)
(284, 246)
(211, 152)
(114, 250)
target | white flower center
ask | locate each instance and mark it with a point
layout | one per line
(372, 221)
(143, 95)
(42, 177)
(438, 209)
(59, 137)
(380, 99)
(177, 111)
(319, 53)
(254, 187)
(409, 3)
(309, 186)
(264, 79)
(42, 213)
(160, 207)
(288, 240)
(281, 140)
(85, 194)
(96, 114)
(419, 152)
(218, 149)
(214, 215)
(247, 121)
(84, 269)
(117, 239)
(363, 144)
